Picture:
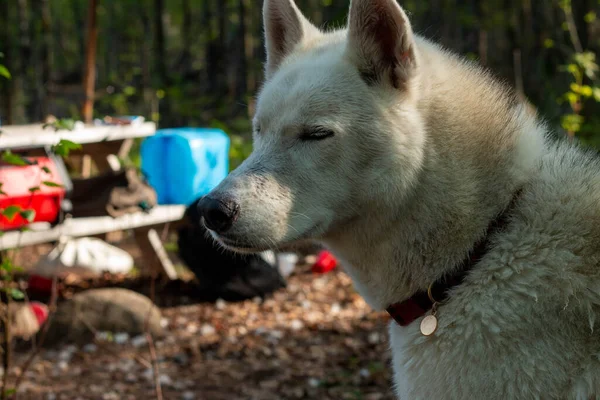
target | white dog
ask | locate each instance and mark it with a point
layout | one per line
(442, 194)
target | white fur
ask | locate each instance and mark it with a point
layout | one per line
(427, 150)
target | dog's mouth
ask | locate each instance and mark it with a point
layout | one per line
(238, 246)
(242, 246)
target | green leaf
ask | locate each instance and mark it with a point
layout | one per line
(548, 43)
(586, 91)
(14, 159)
(596, 91)
(17, 294)
(10, 392)
(10, 212)
(67, 124)
(51, 184)
(28, 215)
(590, 17)
(572, 98)
(4, 72)
(46, 170)
(129, 90)
(34, 189)
(6, 265)
(64, 147)
(572, 122)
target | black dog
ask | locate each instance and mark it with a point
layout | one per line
(223, 274)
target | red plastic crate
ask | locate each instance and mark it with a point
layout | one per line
(16, 182)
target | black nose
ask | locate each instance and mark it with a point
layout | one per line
(219, 214)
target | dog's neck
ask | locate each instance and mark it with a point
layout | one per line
(399, 249)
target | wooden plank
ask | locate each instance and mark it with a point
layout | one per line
(78, 227)
(154, 253)
(14, 136)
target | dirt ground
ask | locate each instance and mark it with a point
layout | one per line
(316, 339)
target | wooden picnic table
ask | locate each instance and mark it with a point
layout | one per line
(100, 144)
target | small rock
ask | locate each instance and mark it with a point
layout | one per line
(306, 304)
(192, 328)
(164, 322)
(373, 338)
(50, 396)
(207, 329)
(165, 380)
(67, 353)
(314, 382)
(220, 304)
(242, 330)
(90, 348)
(296, 325)
(336, 308)
(139, 341)
(319, 283)
(63, 365)
(130, 378)
(110, 396)
(148, 374)
(188, 396)
(310, 259)
(257, 300)
(275, 335)
(104, 336)
(121, 338)
(364, 373)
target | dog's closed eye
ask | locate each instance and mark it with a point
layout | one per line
(316, 133)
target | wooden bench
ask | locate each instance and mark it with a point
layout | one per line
(100, 143)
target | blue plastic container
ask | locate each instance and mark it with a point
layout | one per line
(183, 164)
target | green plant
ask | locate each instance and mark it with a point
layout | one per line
(4, 72)
(584, 87)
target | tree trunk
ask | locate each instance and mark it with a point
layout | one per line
(47, 52)
(150, 99)
(159, 42)
(220, 57)
(89, 76)
(186, 33)
(22, 64)
(242, 73)
(7, 117)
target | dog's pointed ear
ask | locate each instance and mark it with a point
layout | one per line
(285, 27)
(381, 42)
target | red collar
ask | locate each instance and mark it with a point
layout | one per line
(420, 304)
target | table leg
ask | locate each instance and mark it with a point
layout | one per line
(154, 253)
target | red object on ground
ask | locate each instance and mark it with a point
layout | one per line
(40, 310)
(40, 284)
(17, 182)
(325, 262)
